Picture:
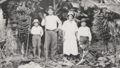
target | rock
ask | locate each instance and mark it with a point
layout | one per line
(81, 66)
(102, 61)
(57, 66)
(30, 65)
(111, 47)
(112, 58)
(68, 63)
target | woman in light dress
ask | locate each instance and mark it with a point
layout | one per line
(70, 28)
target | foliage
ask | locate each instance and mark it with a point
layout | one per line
(100, 28)
(22, 12)
(2, 1)
(2, 27)
(62, 8)
(86, 4)
(60, 42)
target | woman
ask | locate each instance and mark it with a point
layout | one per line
(70, 28)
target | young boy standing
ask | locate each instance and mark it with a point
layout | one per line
(84, 37)
(37, 33)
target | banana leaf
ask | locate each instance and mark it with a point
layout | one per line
(37, 0)
(112, 6)
(111, 1)
(2, 1)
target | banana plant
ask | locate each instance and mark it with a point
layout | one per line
(63, 7)
(2, 1)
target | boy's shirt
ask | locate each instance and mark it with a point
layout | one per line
(37, 30)
(84, 31)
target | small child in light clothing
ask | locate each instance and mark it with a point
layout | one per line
(84, 37)
(37, 33)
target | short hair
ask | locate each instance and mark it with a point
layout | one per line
(83, 22)
(50, 7)
(71, 15)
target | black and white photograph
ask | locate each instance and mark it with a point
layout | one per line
(59, 33)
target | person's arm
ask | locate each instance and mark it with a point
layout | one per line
(59, 22)
(41, 32)
(43, 22)
(89, 34)
(78, 34)
(32, 30)
(76, 31)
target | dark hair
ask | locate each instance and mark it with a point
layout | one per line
(72, 15)
(36, 22)
(50, 7)
(83, 21)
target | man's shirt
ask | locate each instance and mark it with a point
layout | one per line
(50, 22)
(37, 30)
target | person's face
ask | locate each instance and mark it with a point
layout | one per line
(36, 24)
(50, 12)
(70, 17)
(83, 24)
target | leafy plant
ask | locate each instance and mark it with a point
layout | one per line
(100, 27)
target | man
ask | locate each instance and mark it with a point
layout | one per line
(37, 33)
(50, 23)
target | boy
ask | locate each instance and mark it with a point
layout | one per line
(84, 38)
(50, 23)
(37, 33)
(84, 34)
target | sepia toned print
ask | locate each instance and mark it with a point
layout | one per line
(59, 33)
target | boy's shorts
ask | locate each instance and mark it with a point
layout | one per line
(84, 40)
(36, 40)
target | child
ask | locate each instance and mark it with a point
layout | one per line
(84, 37)
(37, 33)
(70, 28)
